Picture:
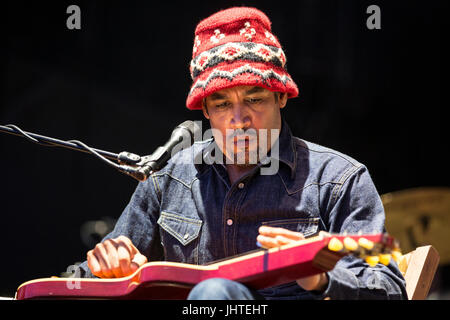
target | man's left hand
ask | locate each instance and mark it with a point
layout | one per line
(270, 237)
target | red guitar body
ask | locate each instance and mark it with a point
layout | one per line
(171, 280)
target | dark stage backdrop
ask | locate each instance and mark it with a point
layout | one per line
(120, 83)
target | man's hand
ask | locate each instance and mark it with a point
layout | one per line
(115, 258)
(270, 237)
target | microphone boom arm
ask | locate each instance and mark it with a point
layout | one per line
(128, 163)
(131, 164)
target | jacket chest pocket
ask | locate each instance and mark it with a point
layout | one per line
(179, 237)
(307, 226)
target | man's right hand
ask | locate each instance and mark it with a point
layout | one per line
(115, 258)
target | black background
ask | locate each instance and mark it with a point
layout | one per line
(120, 83)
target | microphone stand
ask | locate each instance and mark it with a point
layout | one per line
(129, 163)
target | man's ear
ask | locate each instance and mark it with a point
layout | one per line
(205, 109)
(282, 98)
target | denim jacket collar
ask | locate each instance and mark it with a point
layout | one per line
(287, 152)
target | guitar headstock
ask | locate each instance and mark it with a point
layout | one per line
(373, 248)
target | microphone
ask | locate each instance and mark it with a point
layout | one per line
(183, 136)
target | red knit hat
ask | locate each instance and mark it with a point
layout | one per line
(235, 47)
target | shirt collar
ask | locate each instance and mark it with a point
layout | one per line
(286, 152)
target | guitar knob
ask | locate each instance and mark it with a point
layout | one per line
(366, 244)
(385, 258)
(396, 255)
(350, 244)
(335, 245)
(372, 260)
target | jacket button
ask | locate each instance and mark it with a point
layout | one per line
(186, 236)
(241, 185)
(229, 222)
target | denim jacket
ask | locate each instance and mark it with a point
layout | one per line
(190, 212)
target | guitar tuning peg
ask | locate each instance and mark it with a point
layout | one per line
(366, 244)
(350, 244)
(372, 260)
(385, 258)
(335, 245)
(396, 255)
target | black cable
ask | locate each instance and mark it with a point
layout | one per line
(28, 137)
(98, 155)
(126, 162)
(86, 148)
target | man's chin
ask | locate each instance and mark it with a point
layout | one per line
(243, 158)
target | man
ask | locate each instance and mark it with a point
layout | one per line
(252, 182)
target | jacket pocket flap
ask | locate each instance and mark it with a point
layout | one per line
(182, 228)
(307, 226)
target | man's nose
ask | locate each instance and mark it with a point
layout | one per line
(240, 118)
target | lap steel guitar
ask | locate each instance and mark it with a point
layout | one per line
(258, 269)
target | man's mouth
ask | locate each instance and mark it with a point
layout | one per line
(243, 141)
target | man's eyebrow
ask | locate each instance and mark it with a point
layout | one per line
(217, 96)
(254, 90)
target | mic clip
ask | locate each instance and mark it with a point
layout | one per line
(141, 168)
(128, 158)
(138, 167)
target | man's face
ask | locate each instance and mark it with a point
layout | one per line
(243, 119)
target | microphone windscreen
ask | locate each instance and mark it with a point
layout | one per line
(193, 127)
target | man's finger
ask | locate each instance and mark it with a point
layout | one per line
(281, 240)
(113, 258)
(102, 258)
(138, 261)
(267, 242)
(124, 259)
(273, 232)
(127, 243)
(93, 264)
